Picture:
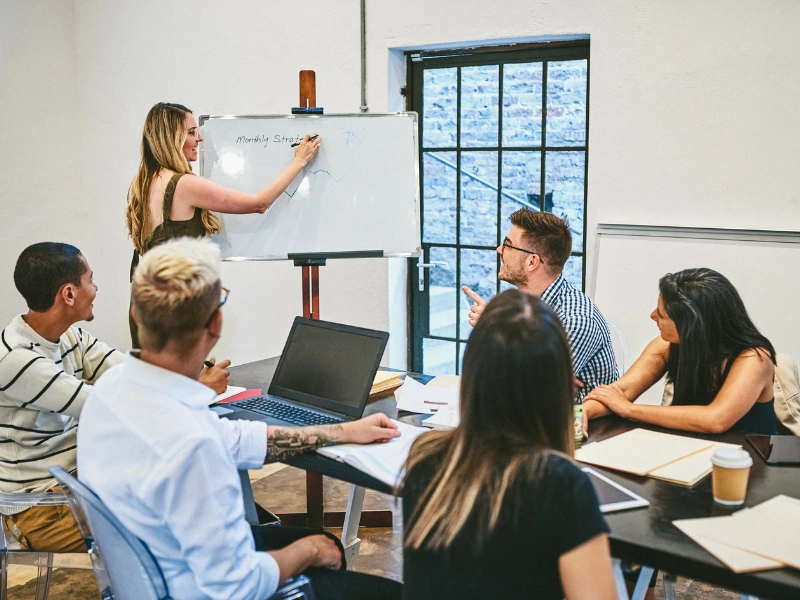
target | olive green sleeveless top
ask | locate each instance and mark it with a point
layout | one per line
(169, 229)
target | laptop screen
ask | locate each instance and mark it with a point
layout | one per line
(329, 366)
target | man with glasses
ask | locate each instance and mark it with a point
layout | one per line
(532, 257)
(47, 369)
(166, 465)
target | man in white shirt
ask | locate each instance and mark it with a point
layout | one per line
(167, 466)
(48, 365)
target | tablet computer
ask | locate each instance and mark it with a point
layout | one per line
(611, 495)
(777, 449)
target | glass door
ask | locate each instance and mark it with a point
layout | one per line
(496, 128)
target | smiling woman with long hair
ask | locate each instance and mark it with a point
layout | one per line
(496, 508)
(722, 368)
(163, 204)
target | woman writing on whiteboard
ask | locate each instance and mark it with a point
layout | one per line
(721, 367)
(163, 204)
(496, 508)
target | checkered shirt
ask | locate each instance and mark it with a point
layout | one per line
(587, 332)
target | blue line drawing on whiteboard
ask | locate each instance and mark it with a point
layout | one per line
(335, 179)
(356, 137)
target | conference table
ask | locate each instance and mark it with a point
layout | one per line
(643, 536)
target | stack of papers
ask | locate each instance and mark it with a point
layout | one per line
(446, 381)
(673, 458)
(426, 399)
(384, 461)
(755, 539)
(446, 418)
(385, 381)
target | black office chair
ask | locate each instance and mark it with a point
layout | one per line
(124, 567)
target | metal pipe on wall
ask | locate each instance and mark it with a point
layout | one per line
(364, 107)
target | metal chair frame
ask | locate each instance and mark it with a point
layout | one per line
(78, 494)
(23, 556)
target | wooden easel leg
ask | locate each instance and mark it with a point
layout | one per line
(307, 292)
(314, 502)
(315, 292)
(315, 515)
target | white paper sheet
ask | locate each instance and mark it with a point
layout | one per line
(382, 461)
(423, 399)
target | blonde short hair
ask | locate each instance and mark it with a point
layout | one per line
(175, 290)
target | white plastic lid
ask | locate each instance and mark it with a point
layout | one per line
(731, 458)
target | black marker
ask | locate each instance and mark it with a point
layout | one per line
(313, 137)
(208, 363)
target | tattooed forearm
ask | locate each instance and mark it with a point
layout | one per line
(286, 442)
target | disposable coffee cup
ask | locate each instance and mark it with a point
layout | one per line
(731, 468)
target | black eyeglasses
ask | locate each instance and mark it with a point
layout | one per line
(222, 301)
(507, 244)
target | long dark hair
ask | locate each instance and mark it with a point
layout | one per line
(714, 328)
(516, 405)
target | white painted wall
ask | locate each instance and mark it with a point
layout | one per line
(692, 120)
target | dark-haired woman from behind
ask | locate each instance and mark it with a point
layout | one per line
(496, 508)
(721, 367)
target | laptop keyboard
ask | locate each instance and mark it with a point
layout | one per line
(285, 412)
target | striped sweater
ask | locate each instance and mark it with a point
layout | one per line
(42, 389)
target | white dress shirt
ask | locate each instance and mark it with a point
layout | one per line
(167, 467)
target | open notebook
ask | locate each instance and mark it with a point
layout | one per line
(384, 461)
(674, 458)
(754, 539)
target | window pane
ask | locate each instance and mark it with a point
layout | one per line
(564, 177)
(479, 99)
(521, 181)
(462, 346)
(479, 198)
(438, 357)
(522, 104)
(479, 272)
(442, 293)
(573, 271)
(439, 107)
(566, 103)
(439, 197)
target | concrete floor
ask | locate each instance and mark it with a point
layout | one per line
(282, 489)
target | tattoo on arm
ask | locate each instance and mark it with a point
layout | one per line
(286, 442)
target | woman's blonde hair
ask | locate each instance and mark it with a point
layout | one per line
(516, 408)
(162, 147)
(175, 290)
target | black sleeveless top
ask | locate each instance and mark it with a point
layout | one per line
(761, 417)
(167, 230)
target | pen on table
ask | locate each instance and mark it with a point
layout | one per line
(208, 363)
(313, 137)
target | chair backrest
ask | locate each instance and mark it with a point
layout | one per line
(622, 349)
(128, 565)
(787, 394)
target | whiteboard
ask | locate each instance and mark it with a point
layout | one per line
(764, 266)
(358, 197)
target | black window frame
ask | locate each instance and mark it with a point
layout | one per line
(416, 62)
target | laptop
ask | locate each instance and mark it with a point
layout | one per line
(324, 376)
(777, 449)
